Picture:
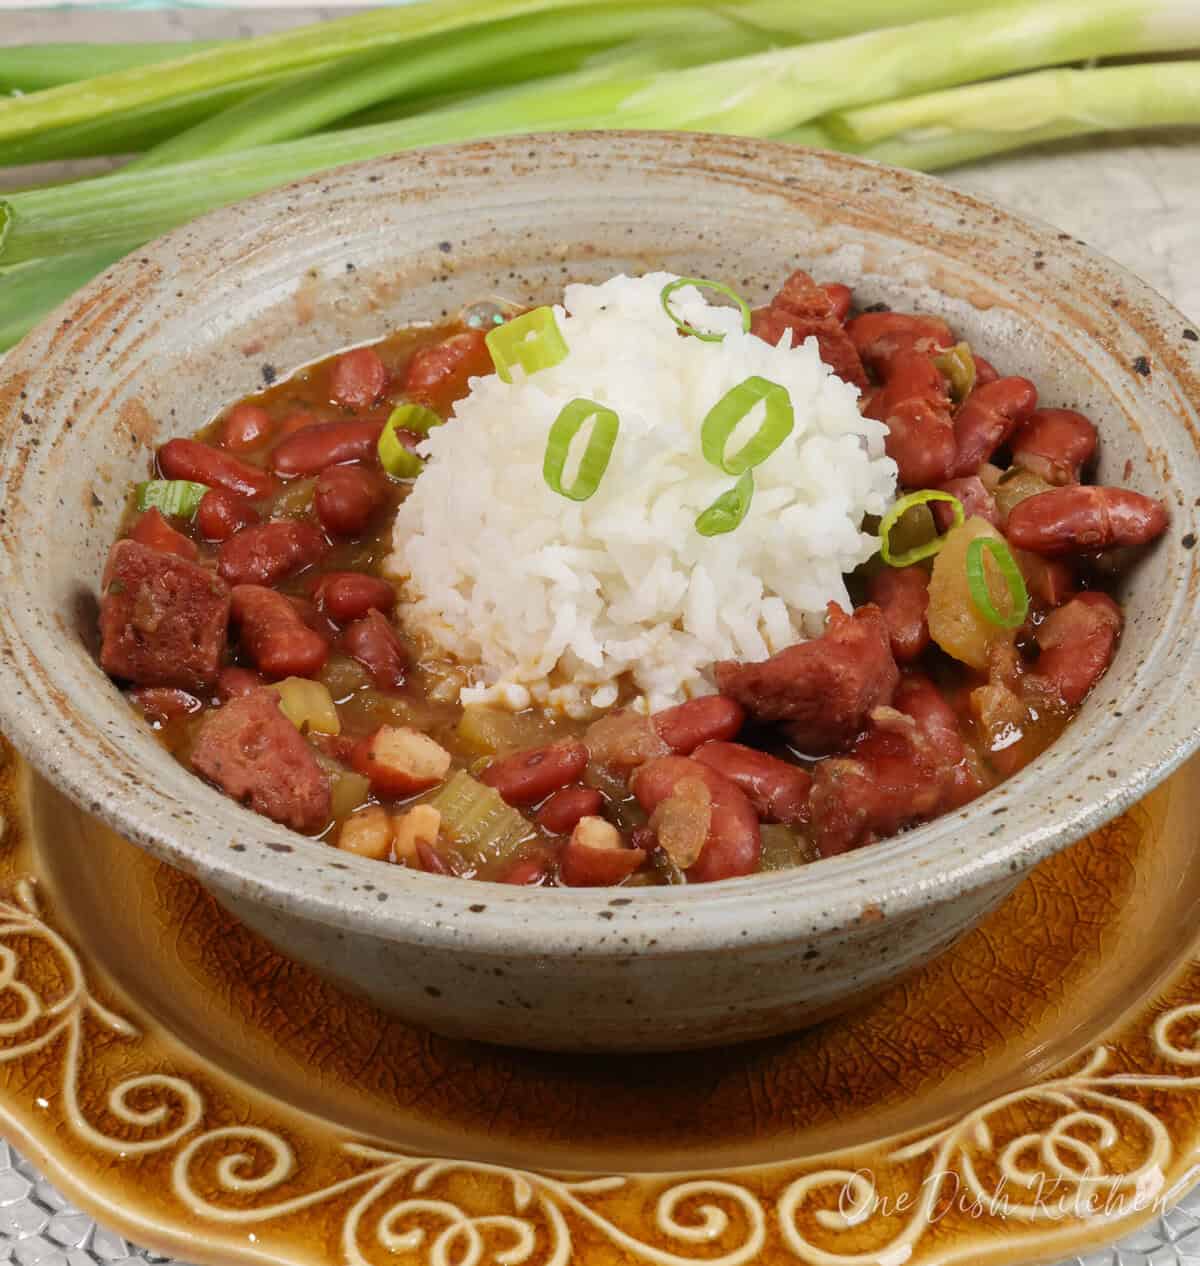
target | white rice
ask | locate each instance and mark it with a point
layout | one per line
(552, 601)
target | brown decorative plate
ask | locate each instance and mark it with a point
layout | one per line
(1030, 1094)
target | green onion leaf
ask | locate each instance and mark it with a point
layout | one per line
(532, 341)
(394, 455)
(977, 582)
(728, 510)
(722, 420)
(178, 498)
(596, 456)
(414, 417)
(703, 283)
(897, 511)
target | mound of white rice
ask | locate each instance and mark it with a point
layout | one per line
(552, 600)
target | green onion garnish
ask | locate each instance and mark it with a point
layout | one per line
(179, 498)
(532, 341)
(704, 284)
(722, 420)
(414, 417)
(728, 510)
(977, 582)
(897, 511)
(596, 456)
(394, 455)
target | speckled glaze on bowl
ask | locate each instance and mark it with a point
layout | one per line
(154, 347)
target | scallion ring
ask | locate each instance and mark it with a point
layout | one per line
(414, 417)
(897, 512)
(728, 510)
(178, 498)
(394, 455)
(722, 420)
(1011, 573)
(596, 455)
(702, 283)
(532, 341)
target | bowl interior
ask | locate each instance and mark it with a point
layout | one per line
(167, 337)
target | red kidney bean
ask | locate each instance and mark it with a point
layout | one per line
(881, 337)
(270, 552)
(374, 642)
(1055, 444)
(301, 420)
(153, 530)
(245, 426)
(777, 789)
(223, 514)
(274, 636)
(988, 416)
(203, 464)
(1077, 645)
(452, 360)
(841, 298)
(164, 703)
(734, 843)
(528, 872)
(985, 371)
(358, 379)
(977, 502)
(309, 451)
(902, 594)
(912, 377)
(597, 856)
(233, 683)
(346, 497)
(917, 697)
(527, 777)
(431, 860)
(350, 595)
(1081, 518)
(684, 727)
(917, 410)
(564, 808)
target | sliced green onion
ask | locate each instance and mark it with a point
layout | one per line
(394, 455)
(179, 498)
(702, 283)
(897, 511)
(977, 582)
(532, 341)
(596, 456)
(958, 365)
(414, 417)
(728, 510)
(722, 420)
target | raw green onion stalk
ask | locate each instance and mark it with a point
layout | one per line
(722, 420)
(1018, 606)
(532, 341)
(596, 455)
(728, 510)
(897, 512)
(178, 498)
(702, 283)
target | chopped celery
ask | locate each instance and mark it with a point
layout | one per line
(478, 821)
(784, 847)
(958, 365)
(308, 705)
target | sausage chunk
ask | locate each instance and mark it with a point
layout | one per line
(808, 311)
(902, 594)
(257, 756)
(824, 689)
(162, 618)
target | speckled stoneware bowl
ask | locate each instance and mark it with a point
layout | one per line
(164, 339)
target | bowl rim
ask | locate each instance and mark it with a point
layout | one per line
(921, 867)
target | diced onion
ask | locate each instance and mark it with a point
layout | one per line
(722, 419)
(177, 498)
(702, 283)
(308, 705)
(977, 582)
(532, 341)
(596, 455)
(728, 510)
(893, 516)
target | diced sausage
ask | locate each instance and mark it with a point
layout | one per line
(443, 369)
(919, 698)
(1055, 445)
(527, 777)
(988, 416)
(805, 309)
(564, 808)
(902, 595)
(222, 514)
(257, 756)
(161, 704)
(733, 844)
(687, 725)
(270, 552)
(823, 689)
(309, 451)
(153, 530)
(274, 635)
(881, 337)
(246, 426)
(234, 682)
(346, 497)
(597, 856)
(1081, 518)
(1077, 644)
(374, 642)
(777, 789)
(162, 618)
(358, 378)
(975, 499)
(203, 464)
(349, 595)
(400, 761)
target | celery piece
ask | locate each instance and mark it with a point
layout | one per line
(478, 821)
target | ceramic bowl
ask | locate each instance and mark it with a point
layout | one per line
(158, 344)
